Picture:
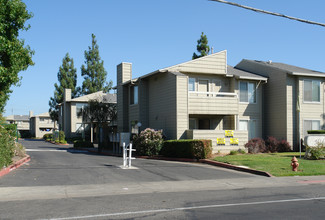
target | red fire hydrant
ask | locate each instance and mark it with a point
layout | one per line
(294, 164)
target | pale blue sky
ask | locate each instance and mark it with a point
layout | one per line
(160, 33)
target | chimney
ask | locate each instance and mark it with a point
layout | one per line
(31, 114)
(67, 95)
(124, 72)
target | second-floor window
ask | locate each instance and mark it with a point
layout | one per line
(311, 90)
(247, 92)
(134, 95)
(79, 108)
(191, 84)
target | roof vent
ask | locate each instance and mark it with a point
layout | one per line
(269, 62)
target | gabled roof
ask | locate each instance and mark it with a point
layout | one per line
(240, 74)
(290, 69)
(215, 63)
(100, 96)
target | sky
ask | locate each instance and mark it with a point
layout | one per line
(156, 34)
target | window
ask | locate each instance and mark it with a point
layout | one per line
(250, 126)
(134, 95)
(247, 92)
(80, 107)
(191, 84)
(311, 90)
(311, 125)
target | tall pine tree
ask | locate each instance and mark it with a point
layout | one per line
(94, 72)
(67, 77)
(202, 47)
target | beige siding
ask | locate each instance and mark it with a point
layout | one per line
(311, 111)
(213, 105)
(212, 64)
(252, 111)
(275, 111)
(182, 106)
(133, 113)
(143, 104)
(162, 103)
(291, 110)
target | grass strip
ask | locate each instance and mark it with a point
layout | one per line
(277, 164)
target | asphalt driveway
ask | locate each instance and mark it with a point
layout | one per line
(61, 165)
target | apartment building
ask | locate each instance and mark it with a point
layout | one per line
(71, 123)
(41, 124)
(294, 100)
(198, 99)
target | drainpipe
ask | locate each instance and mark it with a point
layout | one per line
(298, 114)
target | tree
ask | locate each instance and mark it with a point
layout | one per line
(98, 112)
(14, 55)
(94, 72)
(202, 47)
(67, 77)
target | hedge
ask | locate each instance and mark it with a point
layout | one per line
(83, 144)
(316, 132)
(193, 149)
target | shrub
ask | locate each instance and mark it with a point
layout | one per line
(148, 142)
(198, 149)
(255, 145)
(83, 144)
(316, 132)
(48, 137)
(271, 144)
(233, 152)
(19, 150)
(7, 146)
(315, 153)
(62, 138)
(283, 146)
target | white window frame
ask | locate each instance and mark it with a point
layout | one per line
(194, 86)
(255, 92)
(249, 124)
(312, 80)
(312, 120)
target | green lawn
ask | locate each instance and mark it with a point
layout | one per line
(277, 164)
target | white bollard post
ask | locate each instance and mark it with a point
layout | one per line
(130, 154)
(124, 155)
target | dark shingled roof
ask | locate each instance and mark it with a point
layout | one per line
(288, 68)
(243, 74)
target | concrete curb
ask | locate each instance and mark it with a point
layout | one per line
(12, 167)
(233, 167)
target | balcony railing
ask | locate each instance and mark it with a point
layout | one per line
(224, 103)
(212, 94)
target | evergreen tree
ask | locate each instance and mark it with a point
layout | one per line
(14, 55)
(94, 73)
(202, 47)
(67, 77)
